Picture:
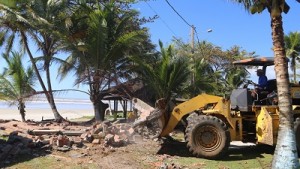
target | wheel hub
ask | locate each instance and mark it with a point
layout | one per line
(207, 137)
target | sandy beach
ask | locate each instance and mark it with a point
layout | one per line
(40, 110)
(39, 114)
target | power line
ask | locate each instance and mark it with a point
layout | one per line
(178, 14)
(192, 26)
(174, 34)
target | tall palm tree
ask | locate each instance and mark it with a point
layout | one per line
(16, 82)
(212, 70)
(292, 45)
(234, 78)
(100, 48)
(167, 76)
(286, 152)
(49, 28)
(205, 78)
(28, 20)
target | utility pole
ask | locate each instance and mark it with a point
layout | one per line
(192, 38)
(193, 59)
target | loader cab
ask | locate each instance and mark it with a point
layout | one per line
(243, 99)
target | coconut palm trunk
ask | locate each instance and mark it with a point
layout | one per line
(285, 155)
(48, 94)
(96, 97)
(51, 101)
(22, 110)
(99, 109)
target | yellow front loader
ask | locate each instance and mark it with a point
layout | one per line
(212, 122)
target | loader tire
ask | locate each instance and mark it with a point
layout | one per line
(207, 136)
(297, 134)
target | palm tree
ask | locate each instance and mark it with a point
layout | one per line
(292, 45)
(102, 40)
(285, 155)
(212, 70)
(16, 82)
(234, 78)
(205, 78)
(167, 76)
(49, 28)
(30, 23)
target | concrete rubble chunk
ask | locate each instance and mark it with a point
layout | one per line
(84, 135)
(101, 135)
(130, 131)
(64, 148)
(62, 141)
(89, 138)
(98, 130)
(109, 137)
(106, 122)
(53, 141)
(96, 141)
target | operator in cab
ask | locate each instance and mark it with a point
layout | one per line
(261, 85)
(262, 79)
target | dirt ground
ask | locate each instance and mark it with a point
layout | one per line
(138, 154)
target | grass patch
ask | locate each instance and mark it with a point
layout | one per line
(5, 138)
(262, 162)
(83, 118)
(47, 162)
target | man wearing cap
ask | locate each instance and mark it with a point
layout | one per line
(261, 85)
(262, 79)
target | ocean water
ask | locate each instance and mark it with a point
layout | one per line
(45, 105)
(40, 109)
(73, 104)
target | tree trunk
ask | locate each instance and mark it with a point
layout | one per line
(285, 155)
(96, 97)
(57, 116)
(99, 110)
(22, 110)
(295, 75)
(49, 98)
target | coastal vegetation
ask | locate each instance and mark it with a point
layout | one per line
(17, 82)
(107, 45)
(104, 41)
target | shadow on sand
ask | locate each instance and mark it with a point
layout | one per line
(19, 149)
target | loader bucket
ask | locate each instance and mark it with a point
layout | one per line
(150, 121)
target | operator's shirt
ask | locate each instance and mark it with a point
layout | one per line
(262, 81)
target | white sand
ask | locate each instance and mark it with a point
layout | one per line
(37, 114)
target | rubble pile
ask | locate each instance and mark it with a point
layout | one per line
(110, 134)
(62, 137)
(22, 138)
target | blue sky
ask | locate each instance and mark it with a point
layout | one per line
(230, 22)
(231, 25)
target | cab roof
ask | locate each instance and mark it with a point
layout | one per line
(261, 61)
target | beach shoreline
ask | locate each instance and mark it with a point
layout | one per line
(43, 114)
(38, 110)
